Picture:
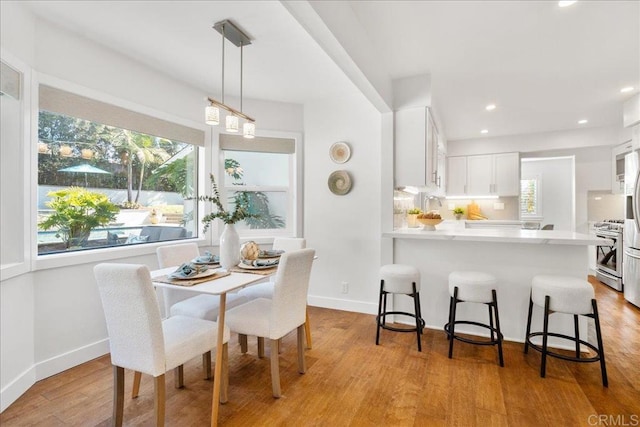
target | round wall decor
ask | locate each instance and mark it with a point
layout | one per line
(340, 152)
(339, 182)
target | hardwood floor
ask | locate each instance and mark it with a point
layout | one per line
(352, 382)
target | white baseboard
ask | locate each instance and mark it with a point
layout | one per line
(68, 360)
(343, 304)
(49, 367)
(16, 388)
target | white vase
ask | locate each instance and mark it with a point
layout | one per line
(229, 247)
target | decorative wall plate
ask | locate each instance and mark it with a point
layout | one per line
(340, 152)
(340, 182)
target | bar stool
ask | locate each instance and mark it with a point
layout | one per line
(477, 287)
(399, 279)
(571, 295)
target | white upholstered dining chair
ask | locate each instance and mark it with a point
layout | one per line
(285, 311)
(184, 303)
(265, 290)
(141, 341)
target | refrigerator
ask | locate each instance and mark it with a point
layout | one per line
(631, 238)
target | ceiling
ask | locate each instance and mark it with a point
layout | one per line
(544, 67)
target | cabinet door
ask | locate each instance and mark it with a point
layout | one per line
(432, 152)
(506, 174)
(456, 176)
(410, 147)
(480, 175)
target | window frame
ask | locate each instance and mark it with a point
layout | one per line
(294, 225)
(41, 262)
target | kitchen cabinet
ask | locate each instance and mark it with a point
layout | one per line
(417, 149)
(484, 175)
(617, 166)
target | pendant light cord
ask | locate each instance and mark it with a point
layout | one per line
(223, 37)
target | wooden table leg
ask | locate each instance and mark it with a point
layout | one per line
(215, 404)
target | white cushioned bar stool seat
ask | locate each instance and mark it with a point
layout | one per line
(475, 287)
(569, 295)
(404, 280)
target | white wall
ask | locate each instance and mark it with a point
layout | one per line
(52, 318)
(556, 177)
(344, 230)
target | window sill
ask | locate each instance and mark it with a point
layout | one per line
(8, 271)
(44, 262)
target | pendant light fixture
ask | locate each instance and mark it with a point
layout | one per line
(232, 33)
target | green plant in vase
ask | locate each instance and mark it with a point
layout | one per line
(458, 212)
(76, 212)
(412, 215)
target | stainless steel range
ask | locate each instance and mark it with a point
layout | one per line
(609, 258)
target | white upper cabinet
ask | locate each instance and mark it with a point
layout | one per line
(417, 149)
(484, 175)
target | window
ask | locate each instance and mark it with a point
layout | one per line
(530, 205)
(265, 169)
(109, 176)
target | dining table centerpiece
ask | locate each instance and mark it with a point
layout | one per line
(229, 239)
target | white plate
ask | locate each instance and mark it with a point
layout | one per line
(197, 276)
(340, 152)
(251, 267)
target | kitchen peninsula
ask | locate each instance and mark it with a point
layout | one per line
(513, 256)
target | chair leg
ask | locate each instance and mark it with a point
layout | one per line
(420, 312)
(261, 347)
(178, 376)
(416, 308)
(160, 399)
(243, 343)
(135, 390)
(275, 369)
(118, 395)
(307, 330)
(603, 366)
(302, 366)
(526, 336)
(577, 332)
(224, 374)
(379, 318)
(206, 365)
(545, 331)
(491, 321)
(452, 322)
(495, 311)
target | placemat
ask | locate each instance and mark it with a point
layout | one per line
(265, 272)
(187, 282)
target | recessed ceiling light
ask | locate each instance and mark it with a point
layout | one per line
(626, 89)
(484, 131)
(583, 121)
(565, 3)
(491, 107)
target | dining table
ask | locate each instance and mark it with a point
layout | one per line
(219, 285)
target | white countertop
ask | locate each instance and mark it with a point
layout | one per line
(452, 231)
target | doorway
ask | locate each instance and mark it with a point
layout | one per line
(548, 191)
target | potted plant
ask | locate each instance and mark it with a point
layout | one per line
(229, 239)
(412, 215)
(458, 212)
(76, 212)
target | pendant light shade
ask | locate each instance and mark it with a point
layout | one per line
(212, 115)
(232, 123)
(249, 130)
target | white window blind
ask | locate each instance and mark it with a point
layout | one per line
(70, 104)
(529, 192)
(258, 144)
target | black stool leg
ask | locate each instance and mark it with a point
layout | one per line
(491, 320)
(543, 364)
(420, 313)
(495, 309)
(448, 326)
(526, 336)
(416, 306)
(603, 366)
(378, 319)
(577, 332)
(452, 321)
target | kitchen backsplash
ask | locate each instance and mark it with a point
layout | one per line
(602, 205)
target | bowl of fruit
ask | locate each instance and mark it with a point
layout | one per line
(429, 220)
